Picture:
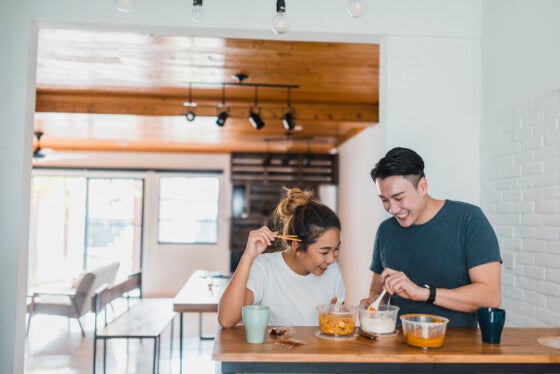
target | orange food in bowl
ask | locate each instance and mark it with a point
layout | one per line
(419, 341)
(424, 330)
(337, 319)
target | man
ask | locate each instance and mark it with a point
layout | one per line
(433, 256)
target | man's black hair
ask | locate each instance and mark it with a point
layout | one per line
(399, 161)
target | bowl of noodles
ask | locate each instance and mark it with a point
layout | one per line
(337, 319)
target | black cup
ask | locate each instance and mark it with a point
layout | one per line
(491, 322)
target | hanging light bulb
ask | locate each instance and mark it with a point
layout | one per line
(280, 21)
(357, 8)
(125, 5)
(197, 13)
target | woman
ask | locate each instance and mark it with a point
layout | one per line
(293, 281)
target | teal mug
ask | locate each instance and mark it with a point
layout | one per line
(491, 322)
(255, 319)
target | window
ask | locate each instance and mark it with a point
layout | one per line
(79, 222)
(188, 209)
(114, 222)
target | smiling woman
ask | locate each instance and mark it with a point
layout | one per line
(291, 282)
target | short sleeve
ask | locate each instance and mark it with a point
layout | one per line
(481, 243)
(376, 265)
(256, 281)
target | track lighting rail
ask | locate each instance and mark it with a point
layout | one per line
(241, 84)
(255, 118)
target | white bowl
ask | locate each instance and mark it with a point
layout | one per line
(381, 321)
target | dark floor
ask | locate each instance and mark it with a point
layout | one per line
(56, 346)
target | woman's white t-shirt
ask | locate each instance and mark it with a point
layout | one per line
(292, 297)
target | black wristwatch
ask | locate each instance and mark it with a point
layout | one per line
(432, 296)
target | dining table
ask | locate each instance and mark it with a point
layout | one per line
(522, 350)
(201, 293)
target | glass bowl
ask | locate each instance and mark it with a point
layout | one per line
(424, 330)
(337, 319)
(380, 321)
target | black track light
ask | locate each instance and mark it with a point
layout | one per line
(222, 117)
(254, 117)
(288, 121)
(288, 118)
(256, 120)
(190, 116)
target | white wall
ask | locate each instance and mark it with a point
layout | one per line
(520, 181)
(520, 153)
(430, 102)
(521, 52)
(360, 210)
(406, 19)
(433, 107)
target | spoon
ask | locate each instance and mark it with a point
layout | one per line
(375, 304)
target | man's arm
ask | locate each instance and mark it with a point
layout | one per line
(484, 290)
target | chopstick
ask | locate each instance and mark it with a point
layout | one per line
(289, 237)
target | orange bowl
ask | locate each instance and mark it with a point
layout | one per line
(424, 330)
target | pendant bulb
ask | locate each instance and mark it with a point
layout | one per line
(357, 8)
(280, 24)
(197, 13)
(125, 6)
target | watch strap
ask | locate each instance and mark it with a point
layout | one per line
(432, 296)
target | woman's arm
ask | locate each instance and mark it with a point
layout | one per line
(236, 294)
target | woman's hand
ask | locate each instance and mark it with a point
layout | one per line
(367, 302)
(258, 241)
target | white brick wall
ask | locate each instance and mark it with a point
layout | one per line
(520, 193)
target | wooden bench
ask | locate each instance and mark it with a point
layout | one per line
(142, 319)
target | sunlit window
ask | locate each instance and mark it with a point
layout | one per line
(188, 209)
(80, 223)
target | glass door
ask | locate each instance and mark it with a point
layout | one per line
(79, 223)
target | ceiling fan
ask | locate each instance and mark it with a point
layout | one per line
(39, 152)
(43, 154)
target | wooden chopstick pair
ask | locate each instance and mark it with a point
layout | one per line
(289, 237)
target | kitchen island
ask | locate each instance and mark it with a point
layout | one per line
(463, 352)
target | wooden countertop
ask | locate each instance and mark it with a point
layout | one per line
(518, 345)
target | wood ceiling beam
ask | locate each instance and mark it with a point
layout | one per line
(153, 146)
(161, 105)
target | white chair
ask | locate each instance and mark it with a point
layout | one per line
(73, 302)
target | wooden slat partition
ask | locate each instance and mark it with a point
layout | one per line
(284, 168)
(264, 184)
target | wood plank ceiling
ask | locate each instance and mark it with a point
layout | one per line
(123, 91)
